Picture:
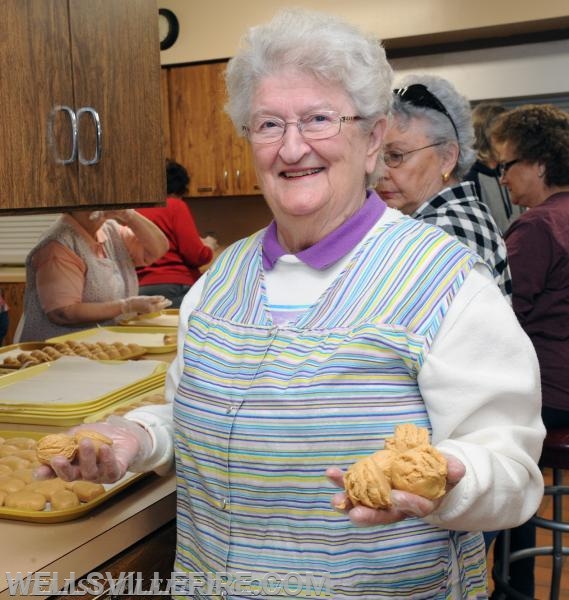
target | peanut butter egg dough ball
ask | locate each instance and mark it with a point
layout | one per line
(408, 463)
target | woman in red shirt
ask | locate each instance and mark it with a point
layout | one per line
(173, 274)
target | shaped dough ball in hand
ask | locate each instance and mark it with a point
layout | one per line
(55, 444)
(97, 439)
(407, 436)
(421, 471)
(367, 484)
(408, 463)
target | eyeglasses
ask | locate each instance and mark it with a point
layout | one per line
(419, 95)
(504, 167)
(394, 158)
(320, 125)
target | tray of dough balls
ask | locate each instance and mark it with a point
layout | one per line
(169, 317)
(28, 354)
(63, 392)
(52, 500)
(152, 339)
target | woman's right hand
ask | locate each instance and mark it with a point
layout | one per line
(131, 443)
(142, 305)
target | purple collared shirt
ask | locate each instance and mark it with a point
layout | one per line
(335, 245)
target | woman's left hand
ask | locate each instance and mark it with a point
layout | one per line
(404, 504)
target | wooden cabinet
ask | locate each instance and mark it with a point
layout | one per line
(149, 559)
(202, 136)
(80, 96)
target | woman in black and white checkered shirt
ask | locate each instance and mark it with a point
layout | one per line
(428, 149)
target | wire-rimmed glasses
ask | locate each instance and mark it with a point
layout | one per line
(321, 125)
(394, 158)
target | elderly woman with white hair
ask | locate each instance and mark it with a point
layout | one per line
(428, 149)
(306, 344)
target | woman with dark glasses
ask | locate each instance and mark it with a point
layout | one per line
(428, 148)
(533, 144)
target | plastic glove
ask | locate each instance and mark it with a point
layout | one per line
(131, 443)
(140, 305)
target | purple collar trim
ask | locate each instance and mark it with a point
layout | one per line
(335, 245)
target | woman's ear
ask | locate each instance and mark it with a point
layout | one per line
(375, 142)
(450, 153)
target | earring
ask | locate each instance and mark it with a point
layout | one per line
(446, 177)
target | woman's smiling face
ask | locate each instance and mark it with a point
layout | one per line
(311, 186)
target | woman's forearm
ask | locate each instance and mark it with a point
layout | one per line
(149, 235)
(86, 312)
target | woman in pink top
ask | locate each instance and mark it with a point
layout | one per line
(82, 272)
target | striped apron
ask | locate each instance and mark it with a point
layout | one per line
(261, 411)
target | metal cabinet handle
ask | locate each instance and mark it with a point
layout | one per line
(238, 178)
(98, 144)
(51, 136)
(225, 178)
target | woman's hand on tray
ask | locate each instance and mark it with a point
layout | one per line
(140, 305)
(106, 463)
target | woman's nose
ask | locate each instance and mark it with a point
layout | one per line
(293, 144)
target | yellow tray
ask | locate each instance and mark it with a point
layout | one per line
(119, 408)
(62, 414)
(153, 339)
(59, 516)
(61, 418)
(165, 318)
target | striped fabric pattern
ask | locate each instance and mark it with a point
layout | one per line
(263, 410)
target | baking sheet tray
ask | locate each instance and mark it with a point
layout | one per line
(168, 317)
(64, 392)
(49, 516)
(153, 339)
(119, 408)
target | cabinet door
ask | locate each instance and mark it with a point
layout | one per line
(203, 138)
(35, 80)
(239, 162)
(238, 171)
(59, 58)
(116, 72)
(194, 128)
